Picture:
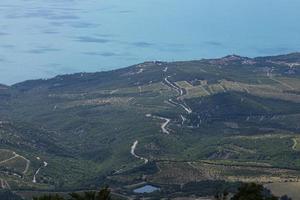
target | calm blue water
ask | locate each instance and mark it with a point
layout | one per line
(146, 189)
(43, 38)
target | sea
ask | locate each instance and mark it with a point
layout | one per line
(45, 38)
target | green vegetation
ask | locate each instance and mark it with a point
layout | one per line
(8, 195)
(252, 191)
(246, 191)
(103, 194)
(231, 119)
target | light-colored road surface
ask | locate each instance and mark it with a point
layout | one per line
(27, 164)
(164, 125)
(114, 91)
(177, 102)
(132, 151)
(180, 92)
(187, 109)
(282, 83)
(45, 164)
(15, 156)
(18, 156)
(170, 84)
(183, 119)
(35, 174)
(295, 144)
(4, 184)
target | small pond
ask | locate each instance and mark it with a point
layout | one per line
(146, 189)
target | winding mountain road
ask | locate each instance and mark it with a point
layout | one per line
(45, 164)
(182, 105)
(132, 151)
(294, 147)
(180, 92)
(15, 155)
(171, 85)
(183, 119)
(164, 125)
(177, 102)
(4, 184)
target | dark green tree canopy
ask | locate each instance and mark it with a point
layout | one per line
(103, 194)
(253, 191)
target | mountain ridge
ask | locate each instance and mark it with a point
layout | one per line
(232, 57)
(182, 117)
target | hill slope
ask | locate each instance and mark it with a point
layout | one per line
(159, 120)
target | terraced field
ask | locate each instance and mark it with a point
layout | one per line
(185, 172)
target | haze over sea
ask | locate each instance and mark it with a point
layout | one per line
(43, 38)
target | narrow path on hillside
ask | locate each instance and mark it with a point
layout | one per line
(183, 119)
(164, 125)
(15, 155)
(132, 152)
(177, 102)
(184, 106)
(171, 85)
(38, 171)
(294, 147)
(180, 93)
(27, 164)
(282, 83)
(4, 184)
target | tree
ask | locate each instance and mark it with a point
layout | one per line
(8, 195)
(222, 196)
(253, 191)
(285, 197)
(49, 197)
(103, 194)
